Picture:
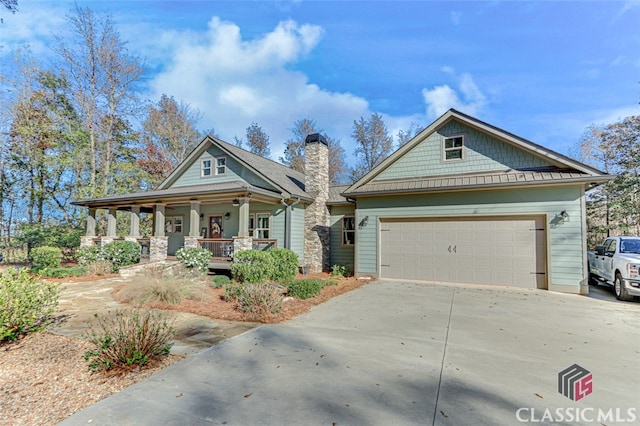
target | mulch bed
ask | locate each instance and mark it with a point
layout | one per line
(214, 306)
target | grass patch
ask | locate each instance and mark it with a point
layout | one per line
(167, 285)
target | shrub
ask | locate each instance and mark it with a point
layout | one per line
(25, 303)
(259, 301)
(195, 257)
(45, 257)
(285, 265)
(98, 267)
(340, 270)
(220, 281)
(305, 288)
(72, 271)
(122, 253)
(128, 338)
(87, 255)
(252, 266)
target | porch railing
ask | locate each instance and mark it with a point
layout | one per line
(264, 244)
(218, 247)
(223, 248)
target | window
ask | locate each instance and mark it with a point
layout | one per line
(221, 165)
(173, 225)
(213, 166)
(259, 225)
(453, 148)
(205, 168)
(348, 230)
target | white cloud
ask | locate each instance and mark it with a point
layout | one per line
(468, 98)
(235, 82)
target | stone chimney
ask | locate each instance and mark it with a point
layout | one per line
(316, 216)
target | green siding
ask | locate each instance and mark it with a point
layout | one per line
(482, 153)
(235, 171)
(297, 227)
(564, 240)
(340, 255)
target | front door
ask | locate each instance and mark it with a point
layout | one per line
(215, 226)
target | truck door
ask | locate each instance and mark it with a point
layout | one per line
(606, 267)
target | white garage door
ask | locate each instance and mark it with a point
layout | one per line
(504, 251)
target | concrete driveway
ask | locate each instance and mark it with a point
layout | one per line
(399, 353)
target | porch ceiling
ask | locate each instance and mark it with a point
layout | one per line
(222, 193)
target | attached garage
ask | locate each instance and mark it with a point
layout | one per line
(499, 251)
(467, 202)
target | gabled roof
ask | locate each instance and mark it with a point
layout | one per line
(563, 169)
(291, 183)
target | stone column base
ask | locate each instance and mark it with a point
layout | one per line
(242, 243)
(105, 240)
(191, 242)
(87, 242)
(158, 248)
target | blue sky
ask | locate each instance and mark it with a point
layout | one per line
(543, 70)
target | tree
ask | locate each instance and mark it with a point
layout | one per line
(614, 207)
(337, 166)
(373, 144)
(294, 151)
(11, 5)
(39, 156)
(405, 136)
(169, 134)
(102, 78)
(258, 141)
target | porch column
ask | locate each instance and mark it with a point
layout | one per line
(88, 239)
(243, 241)
(91, 223)
(158, 243)
(243, 218)
(111, 222)
(194, 221)
(158, 219)
(194, 226)
(135, 222)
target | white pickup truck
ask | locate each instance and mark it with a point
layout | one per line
(617, 262)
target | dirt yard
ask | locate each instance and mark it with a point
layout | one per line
(44, 378)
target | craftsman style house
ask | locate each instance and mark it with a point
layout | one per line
(463, 201)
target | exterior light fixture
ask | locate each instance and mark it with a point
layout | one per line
(227, 215)
(235, 202)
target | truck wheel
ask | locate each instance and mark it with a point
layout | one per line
(620, 290)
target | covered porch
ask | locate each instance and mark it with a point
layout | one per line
(224, 220)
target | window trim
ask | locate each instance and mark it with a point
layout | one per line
(203, 167)
(253, 217)
(223, 166)
(170, 220)
(345, 231)
(461, 148)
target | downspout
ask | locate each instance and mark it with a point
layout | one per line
(287, 221)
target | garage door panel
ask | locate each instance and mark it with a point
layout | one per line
(507, 251)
